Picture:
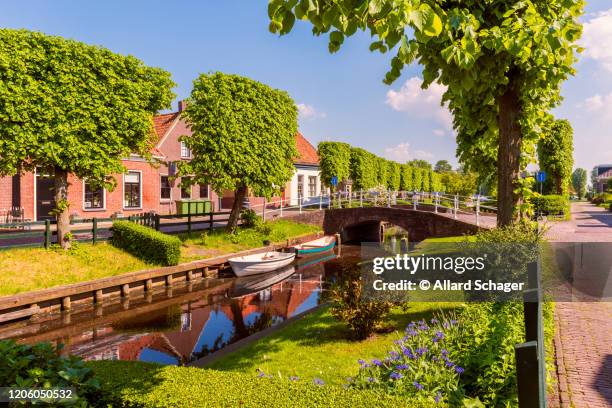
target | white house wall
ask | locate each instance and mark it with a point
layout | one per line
(293, 187)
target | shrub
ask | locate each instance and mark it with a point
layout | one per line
(466, 360)
(40, 366)
(136, 384)
(550, 204)
(249, 218)
(146, 243)
(363, 316)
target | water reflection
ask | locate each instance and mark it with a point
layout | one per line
(189, 324)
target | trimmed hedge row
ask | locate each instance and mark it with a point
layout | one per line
(146, 243)
(551, 204)
(137, 384)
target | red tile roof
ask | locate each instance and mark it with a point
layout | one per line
(307, 152)
(162, 123)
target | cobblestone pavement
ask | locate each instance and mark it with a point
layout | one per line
(583, 338)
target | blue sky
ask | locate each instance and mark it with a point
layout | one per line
(341, 96)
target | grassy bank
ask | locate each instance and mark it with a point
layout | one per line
(317, 346)
(26, 269)
(209, 244)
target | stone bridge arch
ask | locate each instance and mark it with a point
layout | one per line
(364, 223)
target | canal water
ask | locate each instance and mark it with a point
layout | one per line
(191, 319)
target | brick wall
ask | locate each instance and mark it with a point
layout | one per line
(6, 192)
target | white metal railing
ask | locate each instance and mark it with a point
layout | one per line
(448, 203)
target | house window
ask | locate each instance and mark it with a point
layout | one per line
(165, 189)
(131, 189)
(185, 190)
(312, 186)
(185, 151)
(93, 197)
(300, 185)
(204, 191)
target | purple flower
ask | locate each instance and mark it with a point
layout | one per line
(408, 353)
(421, 351)
(418, 386)
(377, 363)
(318, 381)
(434, 321)
(294, 378)
(360, 361)
(371, 379)
(459, 370)
(395, 376)
(261, 374)
(438, 397)
(449, 364)
(394, 355)
(445, 325)
(398, 342)
(401, 367)
(444, 352)
(439, 335)
(453, 322)
(434, 358)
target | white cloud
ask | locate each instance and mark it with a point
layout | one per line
(401, 153)
(309, 112)
(421, 103)
(597, 38)
(439, 132)
(599, 104)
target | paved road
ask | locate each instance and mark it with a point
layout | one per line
(583, 339)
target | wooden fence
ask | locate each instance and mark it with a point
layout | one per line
(94, 230)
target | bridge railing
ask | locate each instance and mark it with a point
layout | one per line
(457, 205)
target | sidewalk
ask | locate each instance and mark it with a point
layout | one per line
(583, 338)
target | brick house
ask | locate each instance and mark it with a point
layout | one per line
(604, 173)
(145, 186)
(305, 182)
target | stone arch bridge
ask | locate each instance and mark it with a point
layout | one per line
(365, 224)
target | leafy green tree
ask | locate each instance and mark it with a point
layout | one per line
(417, 179)
(579, 182)
(425, 177)
(555, 154)
(362, 169)
(594, 179)
(334, 161)
(609, 185)
(464, 184)
(406, 181)
(395, 175)
(502, 62)
(243, 137)
(67, 107)
(443, 166)
(382, 172)
(419, 164)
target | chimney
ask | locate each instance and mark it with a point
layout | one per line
(182, 104)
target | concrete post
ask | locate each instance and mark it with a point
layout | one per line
(321, 201)
(361, 198)
(300, 203)
(281, 206)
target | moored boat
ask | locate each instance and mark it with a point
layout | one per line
(247, 285)
(326, 243)
(260, 263)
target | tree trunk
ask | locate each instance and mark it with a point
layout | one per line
(239, 196)
(62, 208)
(508, 154)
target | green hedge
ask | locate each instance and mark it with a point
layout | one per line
(551, 205)
(136, 384)
(146, 243)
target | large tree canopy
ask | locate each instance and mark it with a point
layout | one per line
(243, 136)
(502, 62)
(556, 155)
(68, 107)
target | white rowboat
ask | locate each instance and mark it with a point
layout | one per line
(260, 263)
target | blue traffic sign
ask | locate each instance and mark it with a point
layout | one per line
(334, 181)
(541, 176)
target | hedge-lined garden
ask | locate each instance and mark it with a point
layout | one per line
(552, 204)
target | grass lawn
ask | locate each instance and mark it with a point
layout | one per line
(318, 346)
(25, 269)
(219, 242)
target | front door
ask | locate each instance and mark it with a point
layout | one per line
(45, 201)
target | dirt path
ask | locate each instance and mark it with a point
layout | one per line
(583, 339)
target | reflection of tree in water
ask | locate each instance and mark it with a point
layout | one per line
(240, 329)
